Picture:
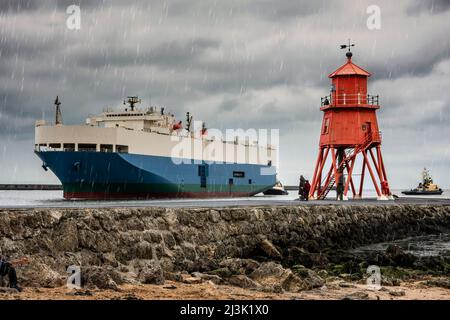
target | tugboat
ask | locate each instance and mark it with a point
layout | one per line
(426, 187)
(276, 190)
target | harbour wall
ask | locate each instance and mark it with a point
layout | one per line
(128, 240)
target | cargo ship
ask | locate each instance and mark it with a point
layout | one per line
(145, 153)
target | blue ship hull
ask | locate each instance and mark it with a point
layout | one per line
(103, 175)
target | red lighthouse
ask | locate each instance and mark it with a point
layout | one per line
(349, 132)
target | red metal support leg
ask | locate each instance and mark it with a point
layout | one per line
(371, 174)
(349, 176)
(317, 182)
(318, 163)
(383, 169)
(333, 159)
(363, 172)
(377, 166)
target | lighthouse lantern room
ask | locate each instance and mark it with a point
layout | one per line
(349, 132)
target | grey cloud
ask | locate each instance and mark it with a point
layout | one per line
(9, 6)
(169, 54)
(259, 64)
(428, 7)
(20, 6)
(281, 10)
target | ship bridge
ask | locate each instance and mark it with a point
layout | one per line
(149, 119)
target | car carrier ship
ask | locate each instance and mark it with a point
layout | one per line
(140, 153)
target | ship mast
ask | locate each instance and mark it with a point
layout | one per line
(132, 101)
(58, 115)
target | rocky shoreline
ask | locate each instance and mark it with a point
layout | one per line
(265, 250)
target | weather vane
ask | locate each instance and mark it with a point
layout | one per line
(349, 45)
(344, 46)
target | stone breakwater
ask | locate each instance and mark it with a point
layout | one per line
(247, 247)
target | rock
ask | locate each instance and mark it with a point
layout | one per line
(270, 250)
(389, 281)
(171, 287)
(440, 282)
(149, 272)
(358, 295)
(173, 276)
(242, 281)
(8, 290)
(310, 278)
(397, 293)
(275, 288)
(222, 272)
(215, 242)
(298, 255)
(346, 285)
(270, 274)
(394, 250)
(100, 277)
(399, 257)
(130, 296)
(80, 293)
(208, 277)
(239, 266)
(192, 280)
(37, 274)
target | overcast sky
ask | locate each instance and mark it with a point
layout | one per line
(234, 64)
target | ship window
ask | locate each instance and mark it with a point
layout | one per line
(55, 145)
(106, 148)
(87, 147)
(239, 174)
(122, 149)
(230, 181)
(249, 181)
(326, 125)
(69, 146)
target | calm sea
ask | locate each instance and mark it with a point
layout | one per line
(11, 198)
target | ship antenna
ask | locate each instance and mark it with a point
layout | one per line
(132, 101)
(188, 121)
(58, 115)
(349, 54)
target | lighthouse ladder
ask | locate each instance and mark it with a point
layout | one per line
(349, 155)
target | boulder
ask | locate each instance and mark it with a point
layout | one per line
(100, 277)
(38, 274)
(208, 277)
(310, 278)
(398, 257)
(242, 281)
(239, 266)
(270, 250)
(271, 274)
(149, 272)
(358, 295)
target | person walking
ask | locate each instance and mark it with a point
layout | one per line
(301, 187)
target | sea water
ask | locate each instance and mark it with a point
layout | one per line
(38, 198)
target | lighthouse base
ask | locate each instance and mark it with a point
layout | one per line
(385, 198)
